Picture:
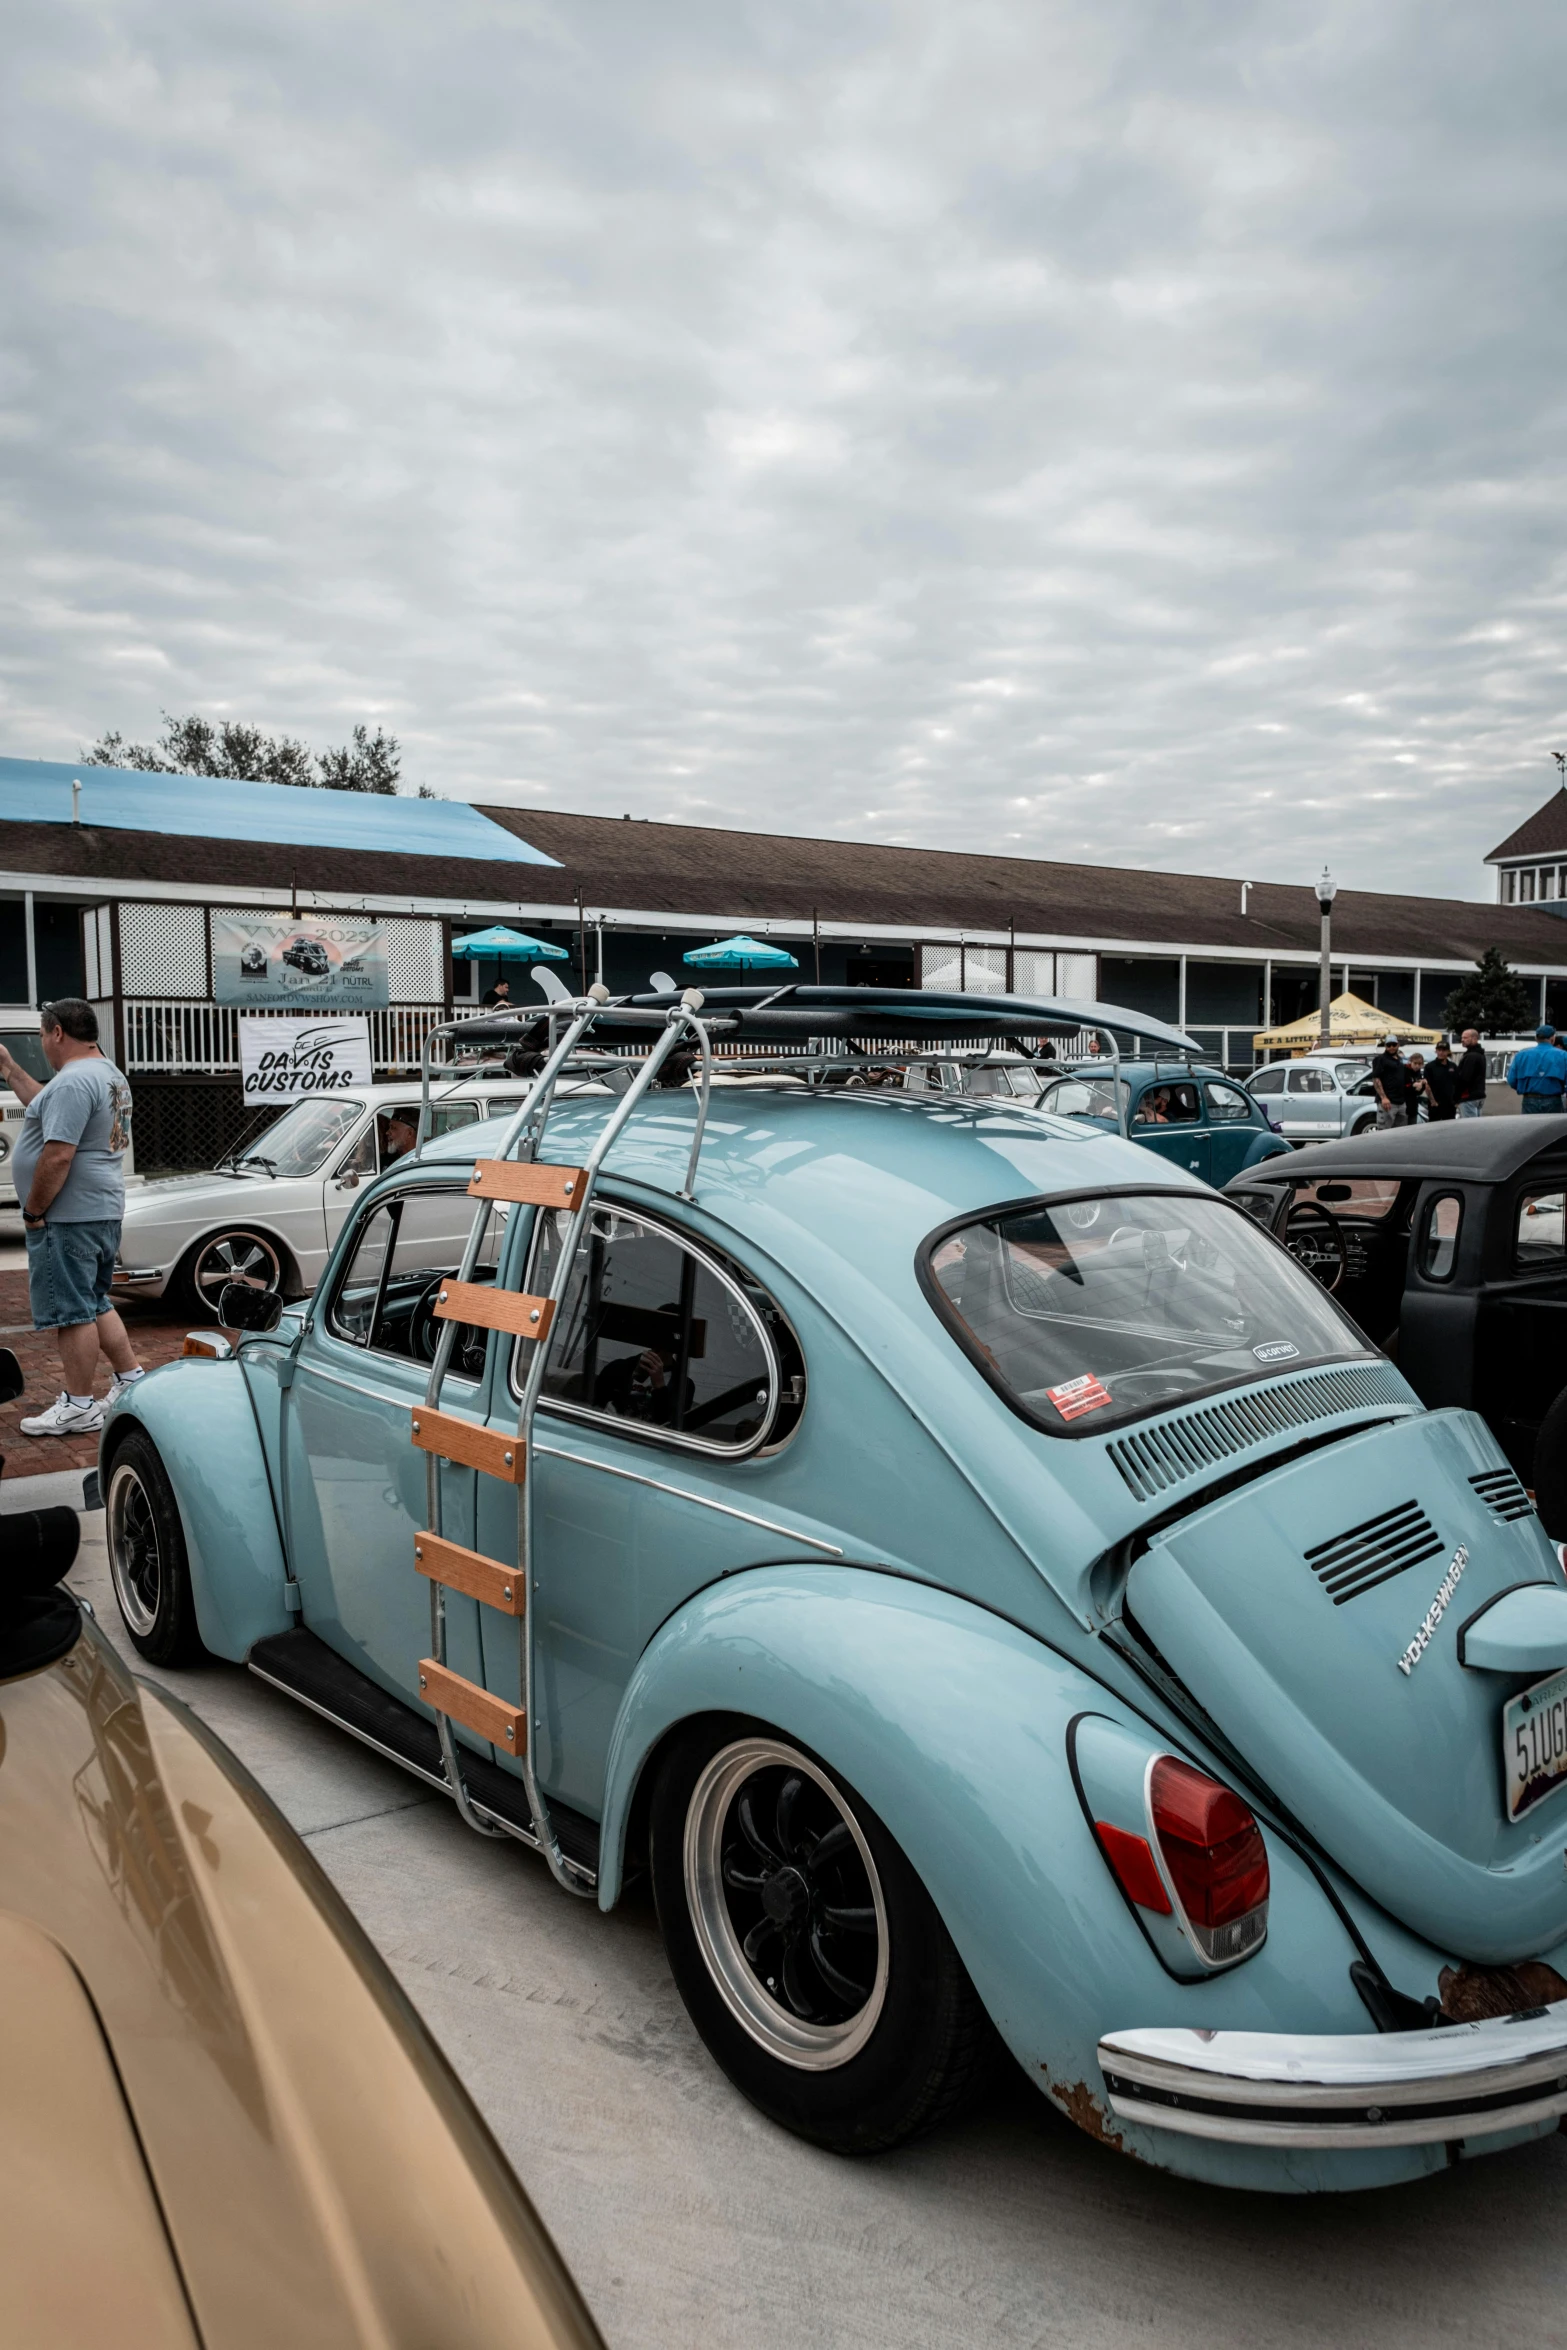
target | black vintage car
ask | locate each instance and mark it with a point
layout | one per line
(308, 955)
(1448, 1244)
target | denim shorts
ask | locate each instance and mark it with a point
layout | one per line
(69, 1270)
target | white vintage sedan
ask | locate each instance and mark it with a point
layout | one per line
(269, 1213)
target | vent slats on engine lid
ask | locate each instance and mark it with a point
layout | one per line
(1373, 1551)
(1502, 1494)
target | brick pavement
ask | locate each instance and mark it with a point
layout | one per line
(156, 1338)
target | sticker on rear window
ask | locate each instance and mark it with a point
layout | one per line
(1076, 1396)
(1276, 1350)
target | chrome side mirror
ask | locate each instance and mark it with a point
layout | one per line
(349, 1179)
(241, 1306)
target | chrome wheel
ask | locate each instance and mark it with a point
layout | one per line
(135, 1551)
(233, 1256)
(786, 1904)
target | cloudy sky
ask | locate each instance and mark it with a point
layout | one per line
(1121, 429)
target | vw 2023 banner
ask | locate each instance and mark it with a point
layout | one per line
(291, 1060)
(298, 962)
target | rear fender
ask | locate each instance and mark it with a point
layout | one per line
(1264, 1146)
(952, 1723)
(198, 1414)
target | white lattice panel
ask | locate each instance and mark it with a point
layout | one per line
(1033, 972)
(415, 959)
(163, 950)
(965, 970)
(1077, 978)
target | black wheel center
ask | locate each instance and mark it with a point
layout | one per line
(786, 1897)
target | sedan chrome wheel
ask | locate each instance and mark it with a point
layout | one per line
(233, 1256)
(135, 1552)
(786, 1904)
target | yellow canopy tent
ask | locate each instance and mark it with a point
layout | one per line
(1351, 1021)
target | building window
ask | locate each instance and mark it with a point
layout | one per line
(1509, 888)
(1526, 886)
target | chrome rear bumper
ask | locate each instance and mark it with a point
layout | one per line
(1354, 2089)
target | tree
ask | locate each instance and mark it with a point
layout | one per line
(1495, 1001)
(243, 754)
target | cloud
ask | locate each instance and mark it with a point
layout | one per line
(1096, 430)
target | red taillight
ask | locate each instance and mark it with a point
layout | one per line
(1217, 1861)
(1136, 1870)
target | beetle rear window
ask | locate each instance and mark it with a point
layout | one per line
(1091, 1312)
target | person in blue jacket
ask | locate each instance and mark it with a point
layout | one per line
(1539, 1074)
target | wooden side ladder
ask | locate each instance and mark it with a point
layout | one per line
(518, 1176)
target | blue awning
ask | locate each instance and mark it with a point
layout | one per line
(202, 807)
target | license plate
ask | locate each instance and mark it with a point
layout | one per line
(1534, 1743)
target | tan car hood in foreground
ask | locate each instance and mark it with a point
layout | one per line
(220, 2120)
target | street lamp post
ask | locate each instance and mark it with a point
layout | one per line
(1327, 891)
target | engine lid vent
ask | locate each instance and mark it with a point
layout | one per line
(1502, 1494)
(1372, 1551)
(1162, 1454)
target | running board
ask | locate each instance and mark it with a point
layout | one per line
(304, 1668)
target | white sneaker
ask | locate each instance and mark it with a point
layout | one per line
(64, 1418)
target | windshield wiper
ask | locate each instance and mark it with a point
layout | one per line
(255, 1159)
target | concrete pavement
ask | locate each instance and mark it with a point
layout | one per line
(688, 2219)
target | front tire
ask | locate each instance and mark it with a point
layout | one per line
(147, 1556)
(810, 1957)
(237, 1254)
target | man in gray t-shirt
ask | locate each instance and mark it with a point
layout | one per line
(72, 1192)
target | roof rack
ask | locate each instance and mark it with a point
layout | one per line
(817, 1032)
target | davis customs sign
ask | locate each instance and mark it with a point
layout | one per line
(284, 1060)
(298, 962)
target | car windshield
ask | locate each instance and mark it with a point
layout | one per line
(302, 1139)
(1091, 1312)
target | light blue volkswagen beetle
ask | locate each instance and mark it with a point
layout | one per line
(992, 1588)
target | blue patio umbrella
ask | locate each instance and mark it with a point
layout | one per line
(508, 946)
(741, 954)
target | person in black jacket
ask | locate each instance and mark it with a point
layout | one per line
(1442, 1083)
(1471, 1076)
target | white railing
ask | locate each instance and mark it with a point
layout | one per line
(194, 1039)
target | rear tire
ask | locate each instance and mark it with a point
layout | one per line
(147, 1556)
(1550, 1470)
(810, 1957)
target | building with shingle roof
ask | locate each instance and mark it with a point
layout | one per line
(101, 894)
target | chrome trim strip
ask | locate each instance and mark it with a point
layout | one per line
(415, 1770)
(1342, 2090)
(725, 1509)
(380, 1394)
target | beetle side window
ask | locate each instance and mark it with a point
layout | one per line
(655, 1334)
(1439, 1237)
(406, 1247)
(1268, 1081)
(1227, 1105)
(1082, 1097)
(1540, 1239)
(1168, 1105)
